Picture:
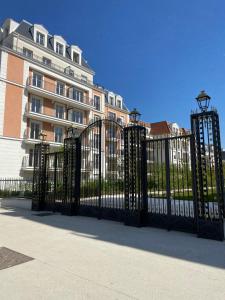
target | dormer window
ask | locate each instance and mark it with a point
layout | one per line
(40, 38)
(40, 34)
(59, 48)
(76, 57)
(119, 103)
(76, 54)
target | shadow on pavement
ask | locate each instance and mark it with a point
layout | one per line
(178, 245)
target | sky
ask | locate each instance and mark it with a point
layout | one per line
(157, 54)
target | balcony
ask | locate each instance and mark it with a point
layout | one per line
(65, 71)
(53, 120)
(45, 88)
(27, 163)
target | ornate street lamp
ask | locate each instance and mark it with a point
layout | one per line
(134, 116)
(42, 136)
(203, 101)
(72, 131)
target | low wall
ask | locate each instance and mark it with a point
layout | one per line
(16, 203)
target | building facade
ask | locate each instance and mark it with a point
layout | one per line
(45, 86)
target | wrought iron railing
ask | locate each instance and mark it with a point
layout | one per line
(52, 87)
(67, 70)
(15, 187)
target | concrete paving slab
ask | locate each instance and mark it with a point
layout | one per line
(86, 258)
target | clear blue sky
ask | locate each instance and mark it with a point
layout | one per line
(158, 54)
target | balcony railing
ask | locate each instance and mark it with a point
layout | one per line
(67, 70)
(62, 92)
(54, 119)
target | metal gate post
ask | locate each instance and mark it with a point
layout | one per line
(39, 176)
(135, 171)
(205, 127)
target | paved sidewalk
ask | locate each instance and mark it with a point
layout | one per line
(84, 258)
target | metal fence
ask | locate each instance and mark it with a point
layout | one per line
(116, 173)
(10, 187)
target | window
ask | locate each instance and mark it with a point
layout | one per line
(76, 57)
(31, 158)
(40, 38)
(59, 48)
(96, 160)
(59, 111)
(46, 61)
(37, 80)
(77, 116)
(111, 116)
(28, 53)
(97, 102)
(96, 118)
(83, 78)
(77, 95)
(58, 134)
(96, 140)
(34, 130)
(112, 132)
(119, 103)
(36, 105)
(60, 88)
(111, 100)
(119, 120)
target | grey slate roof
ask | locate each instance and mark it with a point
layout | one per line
(25, 29)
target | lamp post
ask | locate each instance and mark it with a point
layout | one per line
(42, 136)
(134, 116)
(71, 131)
(203, 101)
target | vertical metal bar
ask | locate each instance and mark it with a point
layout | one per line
(100, 169)
(167, 161)
(55, 181)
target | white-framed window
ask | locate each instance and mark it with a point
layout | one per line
(59, 111)
(119, 103)
(76, 57)
(37, 80)
(96, 118)
(111, 116)
(36, 105)
(96, 102)
(35, 129)
(77, 116)
(31, 158)
(40, 38)
(59, 48)
(96, 140)
(60, 88)
(77, 95)
(58, 134)
(27, 52)
(84, 78)
(96, 160)
(111, 100)
(46, 61)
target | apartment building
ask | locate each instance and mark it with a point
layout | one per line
(46, 86)
(179, 148)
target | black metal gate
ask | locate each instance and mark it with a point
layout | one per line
(116, 173)
(170, 183)
(102, 170)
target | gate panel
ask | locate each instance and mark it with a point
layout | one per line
(54, 181)
(102, 172)
(169, 183)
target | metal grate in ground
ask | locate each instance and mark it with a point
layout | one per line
(10, 258)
